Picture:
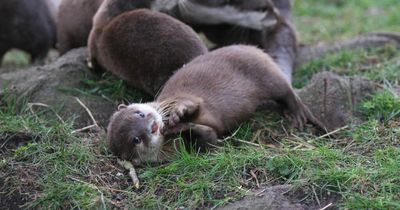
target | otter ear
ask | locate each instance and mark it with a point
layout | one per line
(121, 106)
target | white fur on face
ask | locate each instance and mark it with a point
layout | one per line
(151, 152)
(147, 109)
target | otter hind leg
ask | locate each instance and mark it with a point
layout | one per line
(299, 113)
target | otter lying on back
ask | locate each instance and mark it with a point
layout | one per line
(207, 98)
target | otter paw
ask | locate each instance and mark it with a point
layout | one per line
(182, 110)
(298, 119)
(176, 129)
(176, 115)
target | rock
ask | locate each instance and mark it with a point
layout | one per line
(47, 85)
(272, 199)
(334, 99)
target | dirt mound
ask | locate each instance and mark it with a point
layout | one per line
(50, 86)
(335, 99)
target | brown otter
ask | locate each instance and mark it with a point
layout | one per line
(144, 47)
(75, 18)
(53, 6)
(26, 25)
(205, 99)
(106, 12)
(74, 22)
(280, 43)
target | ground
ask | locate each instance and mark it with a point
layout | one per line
(44, 164)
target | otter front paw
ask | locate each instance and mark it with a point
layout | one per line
(183, 109)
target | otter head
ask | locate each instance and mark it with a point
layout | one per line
(134, 133)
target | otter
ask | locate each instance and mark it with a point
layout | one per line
(106, 12)
(279, 41)
(204, 100)
(27, 25)
(144, 48)
(53, 6)
(74, 22)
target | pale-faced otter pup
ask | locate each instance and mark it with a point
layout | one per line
(26, 25)
(144, 48)
(74, 22)
(205, 99)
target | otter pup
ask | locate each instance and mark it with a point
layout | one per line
(144, 47)
(27, 25)
(204, 100)
(74, 22)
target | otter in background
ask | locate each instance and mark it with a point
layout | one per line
(142, 47)
(54, 6)
(279, 42)
(74, 22)
(27, 25)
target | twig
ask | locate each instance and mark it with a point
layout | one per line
(247, 142)
(300, 144)
(333, 132)
(88, 111)
(259, 194)
(255, 177)
(94, 187)
(327, 206)
(83, 129)
(132, 173)
(239, 140)
(231, 136)
(30, 105)
(316, 196)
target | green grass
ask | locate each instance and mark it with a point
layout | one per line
(331, 20)
(110, 88)
(76, 171)
(384, 105)
(58, 168)
(16, 58)
(378, 64)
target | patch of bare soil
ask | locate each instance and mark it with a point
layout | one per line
(10, 141)
(18, 185)
(282, 197)
(16, 180)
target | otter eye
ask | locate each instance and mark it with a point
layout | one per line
(136, 140)
(141, 114)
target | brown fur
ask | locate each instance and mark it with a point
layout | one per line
(26, 25)
(108, 10)
(280, 44)
(223, 88)
(213, 94)
(74, 23)
(144, 48)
